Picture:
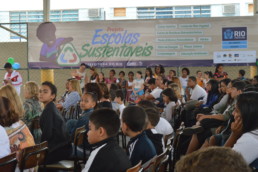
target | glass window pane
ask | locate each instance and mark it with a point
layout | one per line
(183, 8)
(165, 8)
(167, 12)
(183, 12)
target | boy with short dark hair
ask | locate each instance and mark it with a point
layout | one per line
(140, 148)
(151, 132)
(119, 99)
(106, 156)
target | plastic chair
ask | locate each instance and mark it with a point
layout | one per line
(136, 168)
(33, 156)
(8, 163)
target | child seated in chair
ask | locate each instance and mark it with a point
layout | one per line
(87, 104)
(140, 148)
(151, 132)
(106, 156)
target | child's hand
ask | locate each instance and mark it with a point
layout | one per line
(200, 117)
(237, 127)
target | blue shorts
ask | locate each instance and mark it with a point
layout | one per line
(140, 93)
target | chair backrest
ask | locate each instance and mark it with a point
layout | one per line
(79, 136)
(33, 156)
(159, 159)
(136, 168)
(167, 138)
(163, 165)
(8, 163)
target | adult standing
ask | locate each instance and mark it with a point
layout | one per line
(219, 73)
(12, 77)
(80, 74)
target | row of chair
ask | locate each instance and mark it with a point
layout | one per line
(34, 156)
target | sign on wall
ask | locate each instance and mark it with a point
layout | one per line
(141, 43)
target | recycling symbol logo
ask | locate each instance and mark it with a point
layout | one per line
(68, 56)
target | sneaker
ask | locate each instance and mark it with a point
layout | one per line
(192, 130)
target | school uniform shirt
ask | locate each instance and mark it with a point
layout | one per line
(107, 156)
(156, 139)
(53, 128)
(16, 79)
(140, 148)
(168, 110)
(198, 92)
(156, 92)
(4, 143)
(246, 145)
(183, 81)
(164, 127)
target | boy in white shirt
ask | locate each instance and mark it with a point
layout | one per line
(119, 99)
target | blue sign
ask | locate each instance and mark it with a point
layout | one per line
(234, 38)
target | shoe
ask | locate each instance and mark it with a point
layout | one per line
(192, 130)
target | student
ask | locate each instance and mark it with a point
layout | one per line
(12, 77)
(94, 88)
(223, 99)
(104, 101)
(53, 126)
(184, 77)
(255, 80)
(140, 148)
(111, 79)
(32, 109)
(148, 75)
(241, 74)
(163, 127)
(94, 76)
(170, 101)
(122, 82)
(102, 77)
(87, 104)
(129, 86)
(106, 156)
(138, 85)
(80, 74)
(159, 70)
(207, 77)
(153, 135)
(195, 94)
(219, 72)
(171, 74)
(4, 143)
(213, 159)
(119, 99)
(215, 120)
(156, 90)
(244, 135)
(199, 78)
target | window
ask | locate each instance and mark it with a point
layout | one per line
(119, 12)
(173, 12)
(37, 16)
(250, 8)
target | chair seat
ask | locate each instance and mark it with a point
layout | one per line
(65, 164)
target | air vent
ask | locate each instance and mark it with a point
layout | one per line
(94, 12)
(229, 9)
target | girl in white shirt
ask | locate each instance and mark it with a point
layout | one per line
(244, 135)
(4, 143)
(170, 100)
